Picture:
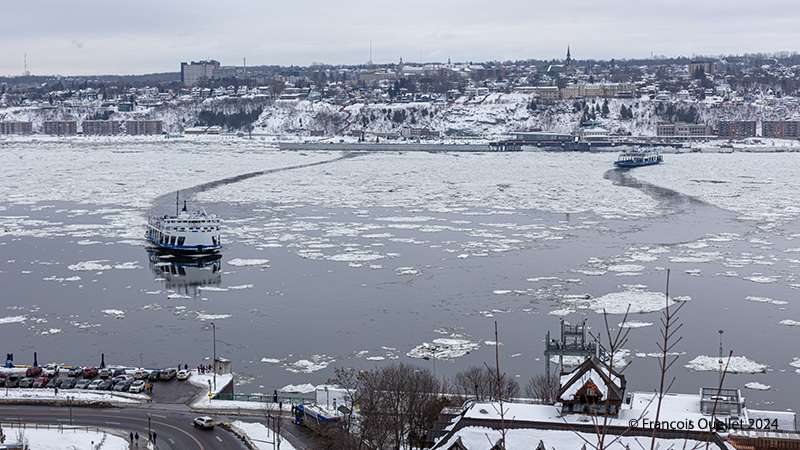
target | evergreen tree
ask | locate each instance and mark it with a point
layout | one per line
(605, 109)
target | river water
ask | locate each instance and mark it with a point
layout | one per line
(359, 260)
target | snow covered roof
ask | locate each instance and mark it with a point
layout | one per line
(608, 382)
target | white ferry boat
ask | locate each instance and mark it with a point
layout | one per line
(643, 156)
(186, 232)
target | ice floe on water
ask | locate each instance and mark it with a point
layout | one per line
(789, 322)
(757, 386)
(315, 363)
(634, 299)
(88, 266)
(239, 262)
(738, 364)
(13, 319)
(116, 313)
(407, 271)
(766, 300)
(204, 316)
(453, 346)
(635, 324)
(761, 278)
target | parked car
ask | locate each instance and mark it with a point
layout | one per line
(89, 372)
(105, 385)
(93, 385)
(12, 380)
(141, 374)
(26, 382)
(69, 383)
(184, 374)
(104, 372)
(41, 381)
(123, 385)
(117, 372)
(154, 375)
(75, 371)
(2, 382)
(83, 383)
(54, 383)
(51, 370)
(204, 422)
(122, 377)
(33, 372)
(168, 374)
(137, 386)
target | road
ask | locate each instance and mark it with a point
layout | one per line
(174, 429)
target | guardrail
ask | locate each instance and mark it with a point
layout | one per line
(290, 399)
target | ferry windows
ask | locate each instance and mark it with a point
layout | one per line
(181, 240)
(172, 240)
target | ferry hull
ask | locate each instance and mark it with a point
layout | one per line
(184, 249)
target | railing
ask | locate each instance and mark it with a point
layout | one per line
(52, 426)
(290, 399)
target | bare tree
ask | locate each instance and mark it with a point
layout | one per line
(543, 388)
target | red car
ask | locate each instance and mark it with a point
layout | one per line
(89, 372)
(41, 381)
(33, 372)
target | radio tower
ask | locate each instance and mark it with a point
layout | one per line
(25, 71)
(720, 358)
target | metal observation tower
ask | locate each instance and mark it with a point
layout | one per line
(572, 343)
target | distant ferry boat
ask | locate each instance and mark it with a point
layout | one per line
(186, 232)
(643, 156)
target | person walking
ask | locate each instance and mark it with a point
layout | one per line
(131, 437)
(154, 437)
(136, 436)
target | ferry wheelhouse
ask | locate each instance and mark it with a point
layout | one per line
(643, 156)
(186, 232)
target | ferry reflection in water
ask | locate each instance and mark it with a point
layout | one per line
(184, 274)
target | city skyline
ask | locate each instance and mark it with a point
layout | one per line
(94, 39)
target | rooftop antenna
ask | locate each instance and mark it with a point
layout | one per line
(177, 202)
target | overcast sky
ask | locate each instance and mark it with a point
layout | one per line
(93, 37)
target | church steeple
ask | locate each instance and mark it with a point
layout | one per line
(568, 62)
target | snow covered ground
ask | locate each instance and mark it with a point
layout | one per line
(65, 439)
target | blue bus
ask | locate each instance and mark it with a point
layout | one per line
(313, 416)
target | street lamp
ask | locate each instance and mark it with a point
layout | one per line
(149, 433)
(214, 362)
(70, 398)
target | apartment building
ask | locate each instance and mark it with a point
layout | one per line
(100, 127)
(198, 71)
(780, 128)
(681, 129)
(16, 127)
(737, 129)
(61, 128)
(144, 127)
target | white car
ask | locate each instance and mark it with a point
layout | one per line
(204, 422)
(184, 374)
(93, 385)
(137, 386)
(51, 370)
(141, 374)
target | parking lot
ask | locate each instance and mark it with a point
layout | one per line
(162, 385)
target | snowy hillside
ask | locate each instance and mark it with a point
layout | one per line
(483, 117)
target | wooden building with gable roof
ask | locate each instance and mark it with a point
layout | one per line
(591, 388)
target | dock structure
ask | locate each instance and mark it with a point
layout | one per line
(572, 343)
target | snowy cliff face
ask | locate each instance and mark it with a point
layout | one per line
(480, 117)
